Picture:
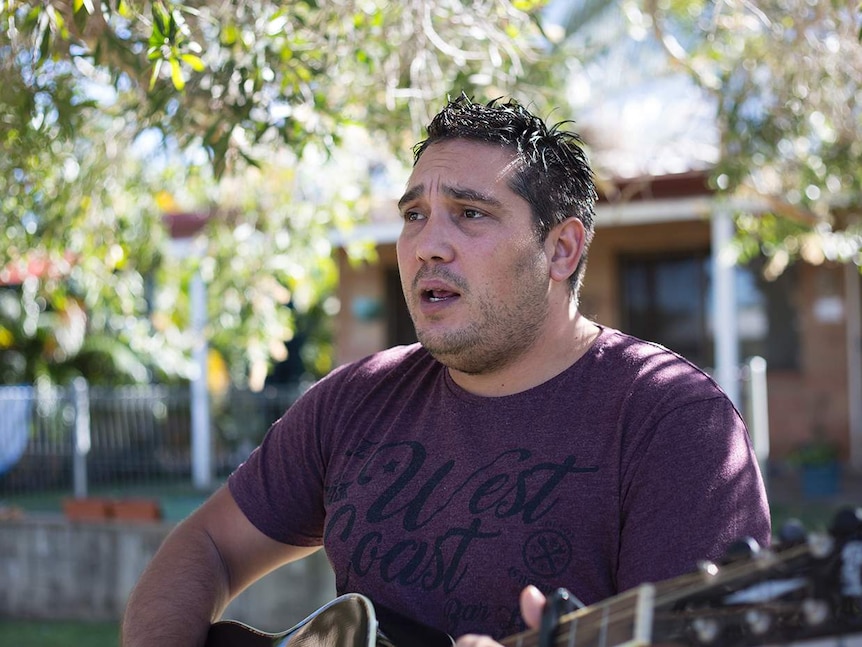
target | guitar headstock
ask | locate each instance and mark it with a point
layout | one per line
(804, 589)
(808, 585)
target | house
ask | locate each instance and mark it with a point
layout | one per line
(650, 273)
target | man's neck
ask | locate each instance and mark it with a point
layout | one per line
(559, 348)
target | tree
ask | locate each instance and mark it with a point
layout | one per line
(229, 75)
(115, 112)
(74, 236)
(786, 76)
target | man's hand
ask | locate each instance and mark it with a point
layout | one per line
(532, 603)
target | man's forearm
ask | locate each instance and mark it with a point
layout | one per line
(183, 589)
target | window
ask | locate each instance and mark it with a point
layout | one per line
(668, 299)
(400, 325)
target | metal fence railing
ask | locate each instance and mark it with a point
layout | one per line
(121, 437)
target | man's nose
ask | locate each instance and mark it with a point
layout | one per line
(434, 241)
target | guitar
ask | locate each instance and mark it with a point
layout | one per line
(806, 591)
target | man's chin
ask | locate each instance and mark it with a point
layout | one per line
(461, 357)
(445, 351)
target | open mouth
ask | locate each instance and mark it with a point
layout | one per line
(438, 296)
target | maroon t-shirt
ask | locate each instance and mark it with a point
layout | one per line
(628, 467)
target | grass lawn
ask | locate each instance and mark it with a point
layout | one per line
(31, 633)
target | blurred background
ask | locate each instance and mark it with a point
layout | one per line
(198, 221)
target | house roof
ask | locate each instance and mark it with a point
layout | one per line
(185, 224)
(663, 187)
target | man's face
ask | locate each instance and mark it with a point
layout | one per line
(474, 274)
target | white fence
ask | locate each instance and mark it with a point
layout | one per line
(71, 439)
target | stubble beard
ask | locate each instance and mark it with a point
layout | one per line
(501, 334)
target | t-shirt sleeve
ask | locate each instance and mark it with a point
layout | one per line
(280, 486)
(689, 489)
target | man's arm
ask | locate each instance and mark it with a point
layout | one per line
(203, 563)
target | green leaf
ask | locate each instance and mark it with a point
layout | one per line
(156, 40)
(173, 26)
(250, 160)
(157, 67)
(80, 18)
(194, 62)
(528, 6)
(123, 9)
(177, 76)
(229, 34)
(160, 18)
(43, 40)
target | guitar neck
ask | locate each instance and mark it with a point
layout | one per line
(688, 609)
(625, 620)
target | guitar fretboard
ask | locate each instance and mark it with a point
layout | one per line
(622, 621)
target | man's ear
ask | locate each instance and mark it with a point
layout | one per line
(565, 245)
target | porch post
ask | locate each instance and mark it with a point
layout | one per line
(724, 322)
(187, 243)
(83, 438)
(200, 406)
(852, 287)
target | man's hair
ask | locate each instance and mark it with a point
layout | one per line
(552, 175)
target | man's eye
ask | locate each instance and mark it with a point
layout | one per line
(412, 216)
(472, 214)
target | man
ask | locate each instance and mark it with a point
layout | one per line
(519, 444)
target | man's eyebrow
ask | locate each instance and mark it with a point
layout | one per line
(458, 193)
(471, 195)
(410, 195)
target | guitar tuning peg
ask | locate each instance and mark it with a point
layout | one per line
(815, 612)
(706, 630)
(707, 568)
(820, 545)
(758, 621)
(847, 522)
(740, 550)
(792, 533)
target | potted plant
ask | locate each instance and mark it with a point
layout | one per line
(136, 509)
(87, 508)
(819, 465)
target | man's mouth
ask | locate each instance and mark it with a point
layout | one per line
(436, 296)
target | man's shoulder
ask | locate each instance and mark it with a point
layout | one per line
(621, 345)
(395, 358)
(373, 376)
(643, 359)
(398, 362)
